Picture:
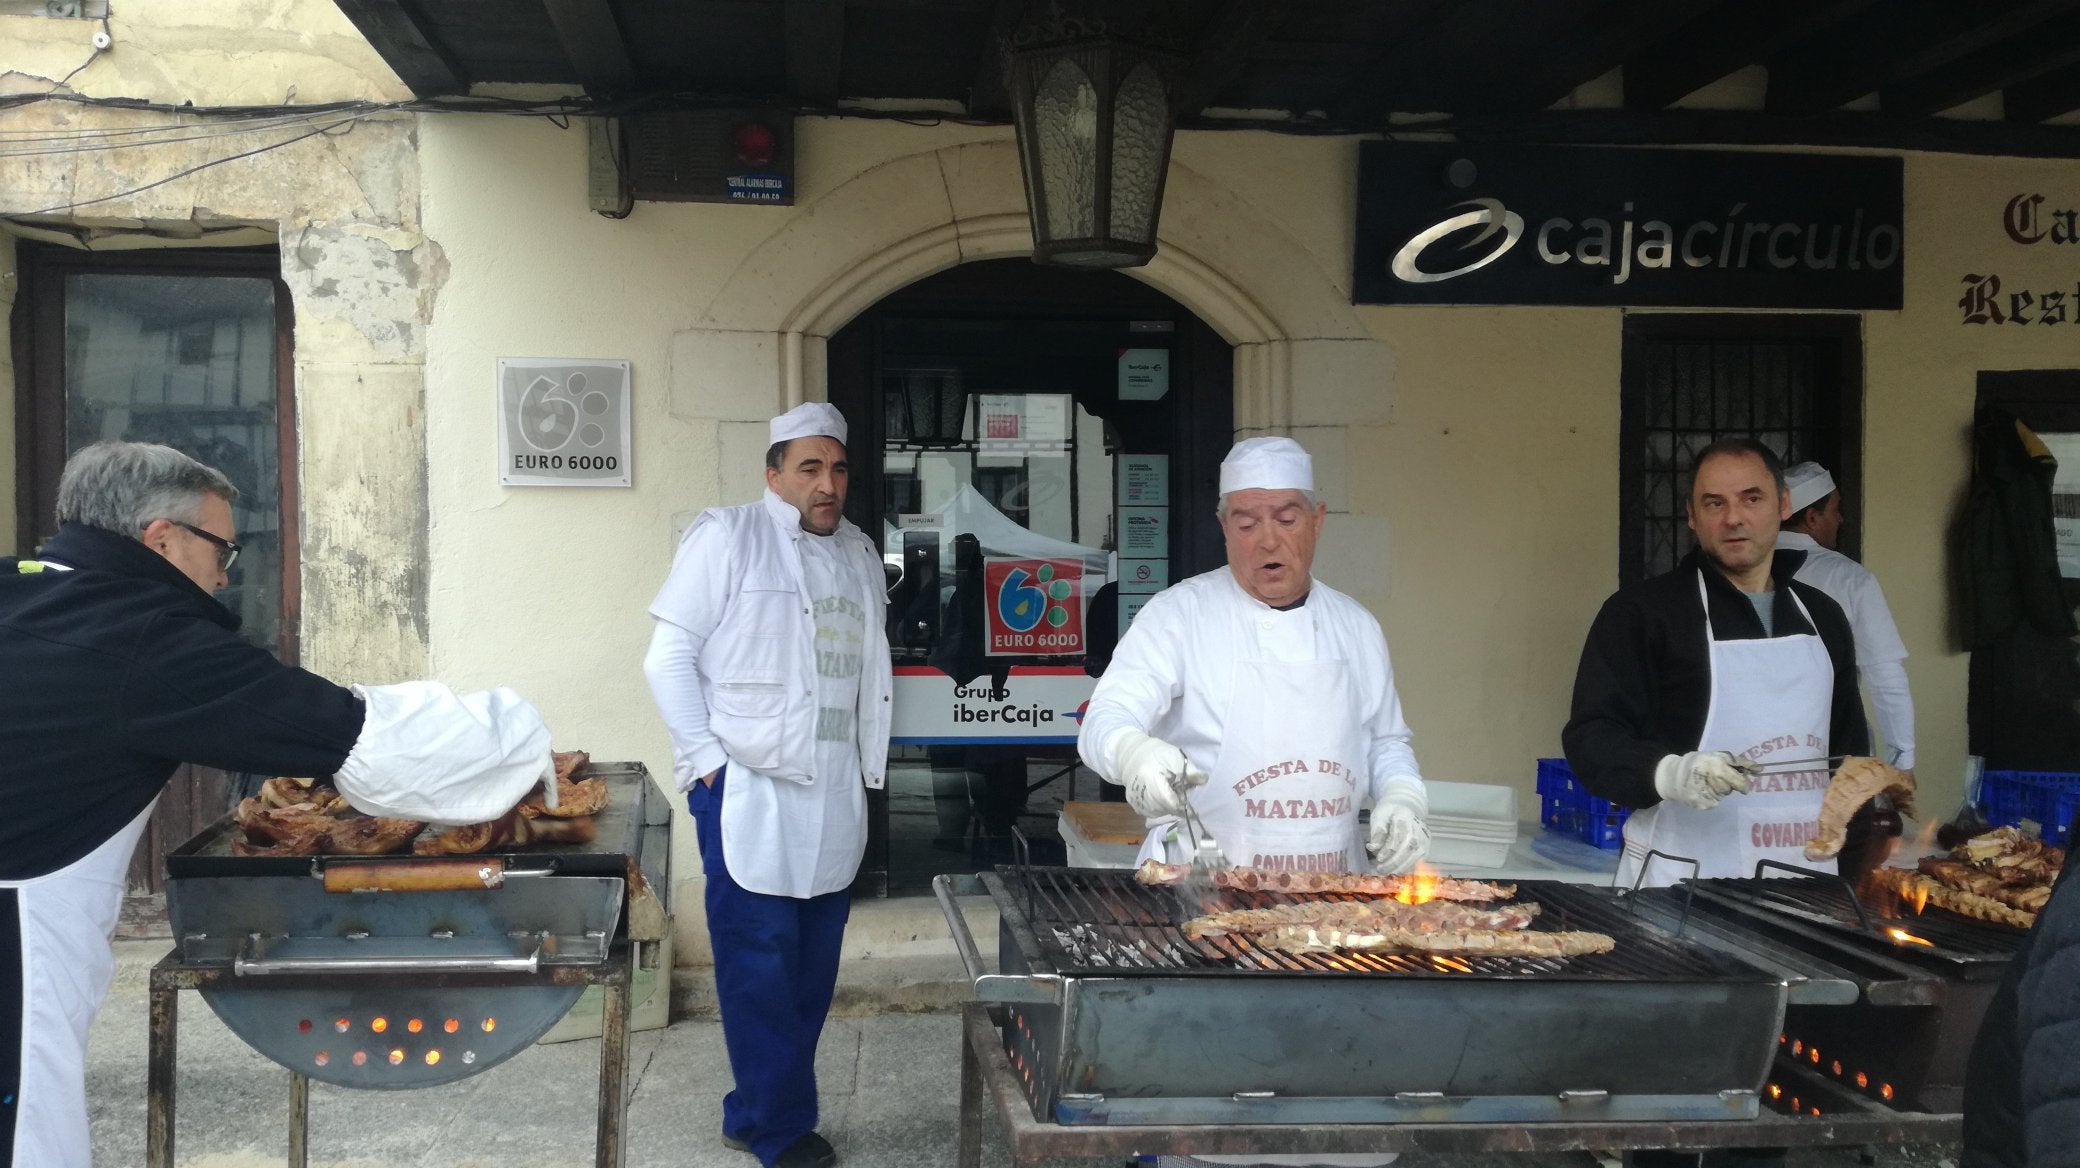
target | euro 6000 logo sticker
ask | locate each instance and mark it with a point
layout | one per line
(1035, 607)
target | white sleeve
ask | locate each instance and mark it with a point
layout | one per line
(1139, 685)
(673, 668)
(426, 752)
(1393, 751)
(1879, 656)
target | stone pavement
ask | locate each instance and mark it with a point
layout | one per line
(890, 1099)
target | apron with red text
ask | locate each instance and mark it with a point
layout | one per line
(1771, 698)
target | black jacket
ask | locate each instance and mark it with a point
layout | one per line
(1645, 679)
(2022, 1086)
(2008, 558)
(115, 673)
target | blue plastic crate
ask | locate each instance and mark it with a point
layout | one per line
(1603, 822)
(2050, 798)
(1565, 806)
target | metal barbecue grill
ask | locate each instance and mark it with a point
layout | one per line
(1113, 1017)
(1918, 982)
(404, 971)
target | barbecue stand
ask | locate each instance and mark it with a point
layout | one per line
(399, 972)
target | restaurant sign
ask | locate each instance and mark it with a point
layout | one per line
(1442, 223)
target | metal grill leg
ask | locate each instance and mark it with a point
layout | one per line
(299, 1120)
(159, 1066)
(968, 1153)
(613, 1064)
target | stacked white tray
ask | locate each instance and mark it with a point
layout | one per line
(1471, 823)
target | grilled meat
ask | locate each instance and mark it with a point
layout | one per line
(305, 838)
(1857, 782)
(512, 829)
(262, 824)
(283, 791)
(569, 764)
(1470, 942)
(1270, 880)
(370, 835)
(1963, 877)
(1921, 889)
(585, 797)
(1361, 916)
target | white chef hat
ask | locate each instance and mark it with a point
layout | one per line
(1807, 483)
(809, 420)
(1267, 464)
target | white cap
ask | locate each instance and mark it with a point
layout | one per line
(1267, 464)
(1807, 483)
(809, 420)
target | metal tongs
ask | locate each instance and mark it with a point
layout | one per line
(1206, 854)
(1747, 767)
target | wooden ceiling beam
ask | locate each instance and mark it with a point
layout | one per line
(592, 41)
(2042, 98)
(1621, 31)
(815, 39)
(1913, 38)
(405, 40)
(2047, 48)
(1226, 47)
(1730, 37)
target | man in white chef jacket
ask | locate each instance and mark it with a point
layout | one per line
(1265, 694)
(770, 664)
(1726, 658)
(117, 665)
(1265, 697)
(1815, 528)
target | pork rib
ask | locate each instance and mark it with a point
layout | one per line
(585, 797)
(1857, 782)
(1469, 942)
(1914, 886)
(1274, 880)
(370, 835)
(509, 830)
(1361, 916)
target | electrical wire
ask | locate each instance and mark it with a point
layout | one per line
(178, 175)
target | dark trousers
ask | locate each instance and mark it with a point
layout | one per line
(776, 963)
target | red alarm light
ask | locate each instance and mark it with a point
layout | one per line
(755, 144)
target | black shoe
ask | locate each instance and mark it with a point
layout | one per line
(810, 1151)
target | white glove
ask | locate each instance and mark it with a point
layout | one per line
(1699, 779)
(1155, 774)
(1399, 837)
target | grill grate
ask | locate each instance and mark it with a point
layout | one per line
(1101, 922)
(1831, 904)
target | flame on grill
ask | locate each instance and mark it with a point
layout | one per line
(1901, 936)
(1420, 887)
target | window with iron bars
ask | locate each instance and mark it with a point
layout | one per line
(1795, 382)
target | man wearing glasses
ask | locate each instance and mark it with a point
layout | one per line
(117, 665)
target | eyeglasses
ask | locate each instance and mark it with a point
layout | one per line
(227, 550)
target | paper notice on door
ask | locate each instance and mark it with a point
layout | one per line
(1144, 480)
(1144, 532)
(1143, 576)
(1144, 374)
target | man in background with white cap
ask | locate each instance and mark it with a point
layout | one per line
(770, 665)
(1262, 695)
(1815, 528)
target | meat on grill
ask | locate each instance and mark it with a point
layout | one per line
(1964, 878)
(1361, 916)
(569, 764)
(370, 835)
(282, 791)
(264, 824)
(1921, 889)
(305, 840)
(1275, 880)
(512, 829)
(1469, 942)
(585, 797)
(1857, 782)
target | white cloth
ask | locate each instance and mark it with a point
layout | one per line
(1807, 484)
(1266, 464)
(737, 679)
(1771, 697)
(1205, 666)
(808, 420)
(1880, 653)
(67, 919)
(427, 752)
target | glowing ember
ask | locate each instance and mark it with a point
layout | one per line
(1906, 938)
(1420, 887)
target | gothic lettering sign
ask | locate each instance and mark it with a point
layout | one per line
(2039, 228)
(1472, 224)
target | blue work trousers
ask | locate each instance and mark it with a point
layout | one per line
(776, 963)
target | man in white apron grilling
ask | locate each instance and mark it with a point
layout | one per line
(116, 666)
(1264, 693)
(1726, 659)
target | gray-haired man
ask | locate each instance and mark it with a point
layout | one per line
(119, 666)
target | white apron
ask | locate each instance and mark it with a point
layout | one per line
(1293, 768)
(67, 920)
(1772, 698)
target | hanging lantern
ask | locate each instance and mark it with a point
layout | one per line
(1094, 111)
